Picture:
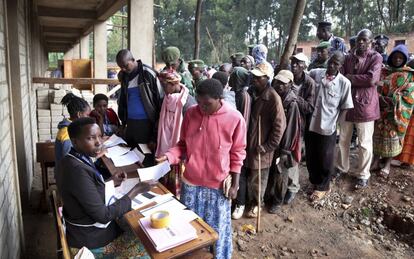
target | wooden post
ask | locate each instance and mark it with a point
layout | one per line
(259, 179)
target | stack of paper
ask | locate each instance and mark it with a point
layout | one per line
(179, 232)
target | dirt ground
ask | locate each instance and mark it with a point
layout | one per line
(377, 222)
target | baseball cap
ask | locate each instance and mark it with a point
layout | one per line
(262, 70)
(284, 76)
(301, 57)
(196, 63)
(324, 45)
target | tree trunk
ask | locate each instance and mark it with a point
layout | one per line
(293, 33)
(197, 30)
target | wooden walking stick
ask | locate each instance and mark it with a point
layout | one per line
(259, 179)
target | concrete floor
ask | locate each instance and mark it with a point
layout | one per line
(39, 225)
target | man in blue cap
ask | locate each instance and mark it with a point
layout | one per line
(380, 46)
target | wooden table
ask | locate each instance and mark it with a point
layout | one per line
(206, 235)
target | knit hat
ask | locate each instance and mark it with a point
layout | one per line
(324, 45)
(197, 63)
(250, 58)
(170, 54)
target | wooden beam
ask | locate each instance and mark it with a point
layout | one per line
(66, 13)
(49, 80)
(62, 29)
(60, 39)
(109, 8)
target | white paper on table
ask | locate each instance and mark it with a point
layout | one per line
(117, 151)
(110, 196)
(144, 148)
(129, 158)
(185, 215)
(154, 172)
(126, 186)
(171, 205)
(114, 140)
(159, 200)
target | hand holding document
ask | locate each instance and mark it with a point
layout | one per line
(117, 151)
(129, 158)
(154, 172)
(114, 140)
(144, 148)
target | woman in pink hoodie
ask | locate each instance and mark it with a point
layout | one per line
(212, 142)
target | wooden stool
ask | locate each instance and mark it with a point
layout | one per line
(46, 157)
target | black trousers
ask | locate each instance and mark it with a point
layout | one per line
(277, 185)
(320, 151)
(242, 192)
(140, 132)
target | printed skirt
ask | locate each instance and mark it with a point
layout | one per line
(211, 205)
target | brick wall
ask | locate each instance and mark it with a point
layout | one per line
(10, 213)
(26, 91)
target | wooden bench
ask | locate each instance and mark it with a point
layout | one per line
(62, 245)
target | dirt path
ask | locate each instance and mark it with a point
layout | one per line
(302, 230)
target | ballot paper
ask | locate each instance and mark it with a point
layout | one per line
(117, 151)
(114, 140)
(171, 205)
(110, 194)
(154, 172)
(144, 148)
(141, 199)
(127, 185)
(129, 158)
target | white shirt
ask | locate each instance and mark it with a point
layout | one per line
(332, 97)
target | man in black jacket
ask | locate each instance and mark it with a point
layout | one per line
(139, 103)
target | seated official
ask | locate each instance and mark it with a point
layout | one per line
(89, 222)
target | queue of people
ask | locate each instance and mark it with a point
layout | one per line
(218, 124)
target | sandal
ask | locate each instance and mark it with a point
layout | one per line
(318, 195)
(384, 173)
(361, 184)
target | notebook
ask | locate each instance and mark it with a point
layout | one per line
(179, 232)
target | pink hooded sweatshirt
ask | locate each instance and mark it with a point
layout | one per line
(213, 145)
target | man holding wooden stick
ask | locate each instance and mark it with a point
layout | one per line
(268, 106)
